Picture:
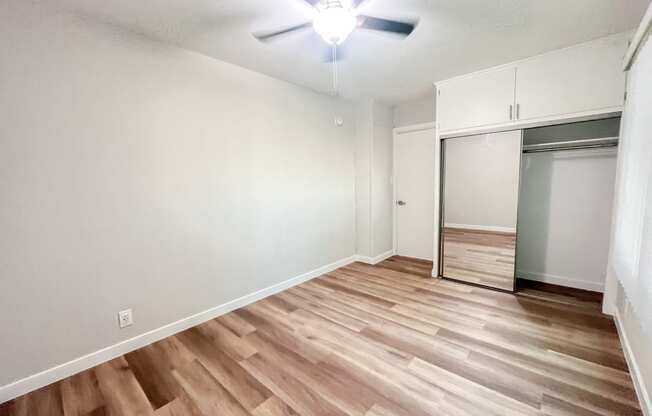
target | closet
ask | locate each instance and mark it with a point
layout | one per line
(527, 171)
(532, 203)
(568, 175)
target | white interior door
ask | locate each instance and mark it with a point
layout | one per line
(414, 179)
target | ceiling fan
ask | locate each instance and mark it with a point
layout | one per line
(335, 20)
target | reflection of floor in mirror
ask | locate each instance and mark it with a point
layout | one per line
(480, 257)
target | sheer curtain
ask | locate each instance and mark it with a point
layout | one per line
(632, 251)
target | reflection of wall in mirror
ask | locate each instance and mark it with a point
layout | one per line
(481, 182)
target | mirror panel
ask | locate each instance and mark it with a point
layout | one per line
(480, 190)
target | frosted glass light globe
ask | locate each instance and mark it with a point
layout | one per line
(334, 24)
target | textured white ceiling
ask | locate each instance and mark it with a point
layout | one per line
(453, 37)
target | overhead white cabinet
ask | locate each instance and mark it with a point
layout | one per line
(481, 99)
(581, 79)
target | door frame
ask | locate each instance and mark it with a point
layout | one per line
(398, 131)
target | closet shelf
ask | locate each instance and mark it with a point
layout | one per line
(571, 145)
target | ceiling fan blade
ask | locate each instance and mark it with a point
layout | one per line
(384, 25)
(357, 3)
(269, 36)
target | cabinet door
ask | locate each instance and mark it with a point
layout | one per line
(581, 79)
(477, 100)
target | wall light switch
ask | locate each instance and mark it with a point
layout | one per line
(125, 318)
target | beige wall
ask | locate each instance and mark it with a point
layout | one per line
(138, 175)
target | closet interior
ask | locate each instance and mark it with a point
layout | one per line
(568, 175)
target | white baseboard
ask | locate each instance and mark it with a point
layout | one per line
(634, 371)
(49, 376)
(561, 281)
(481, 228)
(375, 260)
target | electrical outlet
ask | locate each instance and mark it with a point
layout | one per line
(125, 318)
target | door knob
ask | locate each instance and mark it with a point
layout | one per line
(401, 203)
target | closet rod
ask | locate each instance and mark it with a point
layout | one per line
(571, 145)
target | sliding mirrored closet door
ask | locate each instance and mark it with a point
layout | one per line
(479, 208)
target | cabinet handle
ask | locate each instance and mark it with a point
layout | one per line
(518, 111)
(511, 112)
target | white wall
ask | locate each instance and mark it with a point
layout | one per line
(637, 342)
(382, 197)
(565, 217)
(481, 181)
(137, 175)
(363, 165)
(374, 218)
(415, 111)
(628, 289)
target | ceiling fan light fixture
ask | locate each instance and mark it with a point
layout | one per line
(334, 24)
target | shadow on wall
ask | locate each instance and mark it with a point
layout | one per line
(534, 214)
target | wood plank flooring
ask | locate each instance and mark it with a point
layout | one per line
(480, 257)
(368, 341)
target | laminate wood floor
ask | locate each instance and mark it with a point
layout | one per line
(368, 340)
(480, 257)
